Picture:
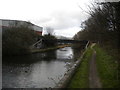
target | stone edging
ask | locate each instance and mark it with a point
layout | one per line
(69, 74)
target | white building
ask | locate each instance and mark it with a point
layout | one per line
(4, 24)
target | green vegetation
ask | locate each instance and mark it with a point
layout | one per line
(103, 28)
(80, 79)
(48, 41)
(16, 40)
(107, 69)
(103, 24)
(49, 37)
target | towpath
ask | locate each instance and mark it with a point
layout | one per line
(94, 81)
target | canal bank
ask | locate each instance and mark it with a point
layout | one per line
(97, 70)
(69, 75)
(48, 49)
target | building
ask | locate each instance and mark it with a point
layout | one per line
(5, 24)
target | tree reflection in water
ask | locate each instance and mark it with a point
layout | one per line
(77, 50)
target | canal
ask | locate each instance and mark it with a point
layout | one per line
(40, 70)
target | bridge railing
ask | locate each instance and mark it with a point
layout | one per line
(38, 44)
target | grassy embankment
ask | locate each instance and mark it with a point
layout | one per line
(107, 68)
(48, 49)
(80, 79)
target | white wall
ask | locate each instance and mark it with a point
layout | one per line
(9, 23)
(37, 28)
(0, 22)
(0, 54)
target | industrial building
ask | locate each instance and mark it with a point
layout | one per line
(5, 24)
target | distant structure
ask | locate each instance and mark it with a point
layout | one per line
(5, 24)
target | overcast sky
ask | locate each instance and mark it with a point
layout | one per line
(64, 16)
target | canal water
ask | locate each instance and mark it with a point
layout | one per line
(40, 70)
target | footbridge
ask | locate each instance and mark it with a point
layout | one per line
(41, 42)
(65, 41)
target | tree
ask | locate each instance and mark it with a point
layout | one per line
(49, 37)
(50, 30)
(103, 26)
(16, 40)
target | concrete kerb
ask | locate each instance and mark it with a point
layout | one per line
(70, 73)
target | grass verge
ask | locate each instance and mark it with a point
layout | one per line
(81, 77)
(48, 49)
(107, 68)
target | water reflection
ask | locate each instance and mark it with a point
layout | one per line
(65, 53)
(43, 69)
(51, 55)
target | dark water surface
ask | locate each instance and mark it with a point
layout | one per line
(42, 70)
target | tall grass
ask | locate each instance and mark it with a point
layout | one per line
(107, 68)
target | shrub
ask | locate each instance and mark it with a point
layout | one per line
(16, 40)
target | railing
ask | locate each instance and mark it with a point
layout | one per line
(38, 44)
(87, 45)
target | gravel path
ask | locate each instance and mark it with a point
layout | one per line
(94, 81)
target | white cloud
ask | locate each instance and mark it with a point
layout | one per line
(68, 33)
(62, 15)
(111, 0)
